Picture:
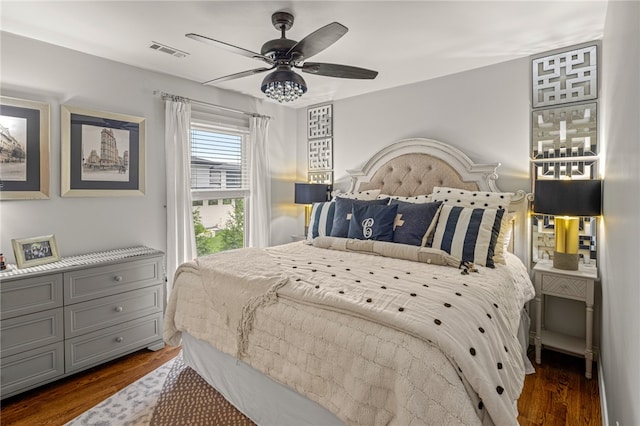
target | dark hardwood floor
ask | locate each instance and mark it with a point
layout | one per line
(557, 394)
(58, 402)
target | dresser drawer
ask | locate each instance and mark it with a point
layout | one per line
(30, 368)
(30, 331)
(94, 348)
(28, 295)
(563, 286)
(91, 283)
(95, 314)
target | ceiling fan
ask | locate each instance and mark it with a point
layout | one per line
(284, 54)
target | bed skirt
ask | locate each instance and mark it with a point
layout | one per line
(263, 400)
(267, 402)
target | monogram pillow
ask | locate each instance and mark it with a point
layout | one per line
(372, 222)
(340, 227)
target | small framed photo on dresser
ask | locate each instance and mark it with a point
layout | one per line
(35, 251)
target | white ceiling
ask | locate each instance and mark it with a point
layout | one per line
(406, 42)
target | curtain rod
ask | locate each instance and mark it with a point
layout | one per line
(237, 111)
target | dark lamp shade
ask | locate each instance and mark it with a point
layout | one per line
(568, 197)
(309, 193)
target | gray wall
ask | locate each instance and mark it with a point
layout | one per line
(484, 112)
(620, 348)
(42, 72)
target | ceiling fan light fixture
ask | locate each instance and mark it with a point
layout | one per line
(283, 85)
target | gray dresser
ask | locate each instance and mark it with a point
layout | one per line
(63, 317)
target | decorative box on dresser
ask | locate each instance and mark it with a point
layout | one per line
(63, 317)
(576, 285)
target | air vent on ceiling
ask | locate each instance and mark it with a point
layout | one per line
(166, 49)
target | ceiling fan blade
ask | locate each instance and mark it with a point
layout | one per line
(238, 75)
(317, 41)
(336, 70)
(230, 47)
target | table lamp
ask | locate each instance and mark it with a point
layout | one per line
(309, 193)
(567, 200)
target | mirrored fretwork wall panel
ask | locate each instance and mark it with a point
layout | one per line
(564, 134)
(320, 144)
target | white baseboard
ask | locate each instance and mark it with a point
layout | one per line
(603, 396)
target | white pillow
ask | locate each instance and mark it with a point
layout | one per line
(370, 194)
(504, 238)
(417, 199)
(473, 199)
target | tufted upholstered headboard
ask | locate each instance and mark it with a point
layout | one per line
(415, 174)
(414, 166)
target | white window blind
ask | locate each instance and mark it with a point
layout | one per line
(218, 162)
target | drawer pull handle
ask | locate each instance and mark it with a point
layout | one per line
(119, 308)
(118, 278)
(119, 339)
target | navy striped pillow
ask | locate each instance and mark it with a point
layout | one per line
(468, 234)
(321, 219)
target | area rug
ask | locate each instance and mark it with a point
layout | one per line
(173, 394)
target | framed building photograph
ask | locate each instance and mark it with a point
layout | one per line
(103, 153)
(35, 251)
(24, 149)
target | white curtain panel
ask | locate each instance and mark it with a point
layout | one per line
(260, 180)
(181, 245)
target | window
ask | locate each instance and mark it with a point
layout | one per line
(219, 177)
(217, 159)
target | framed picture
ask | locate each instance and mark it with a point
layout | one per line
(24, 149)
(35, 251)
(103, 153)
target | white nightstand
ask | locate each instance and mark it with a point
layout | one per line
(298, 237)
(576, 285)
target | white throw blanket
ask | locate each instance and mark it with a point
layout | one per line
(234, 284)
(472, 319)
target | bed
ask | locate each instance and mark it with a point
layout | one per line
(339, 330)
